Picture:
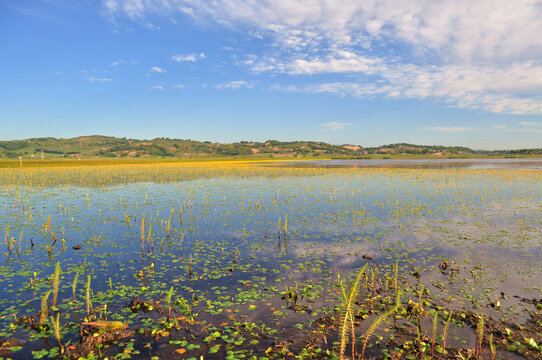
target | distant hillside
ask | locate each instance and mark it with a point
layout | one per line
(104, 146)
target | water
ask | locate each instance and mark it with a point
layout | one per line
(494, 164)
(217, 234)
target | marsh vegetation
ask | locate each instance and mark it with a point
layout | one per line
(239, 260)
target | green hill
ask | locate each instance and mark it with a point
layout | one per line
(106, 147)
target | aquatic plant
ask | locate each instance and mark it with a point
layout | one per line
(190, 266)
(87, 298)
(434, 334)
(492, 351)
(347, 314)
(479, 334)
(74, 284)
(56, 330)
(48, 226)
(56, 283)
(143, 234)
(445, 331)
(381, 318)
(168, 300)
(44, 312)
(6, 239)
(105, 325)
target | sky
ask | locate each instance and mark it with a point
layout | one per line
(363, 72)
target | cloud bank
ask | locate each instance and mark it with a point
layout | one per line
(483, 54)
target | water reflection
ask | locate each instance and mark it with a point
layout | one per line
(488, 164)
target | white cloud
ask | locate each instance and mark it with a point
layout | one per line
(179, 86)
(448, 129)
(333, 126)
(499, 127)
(529, 130)
(189, 57)
(452, 29)
(93, 79)
(475, 87)
(157, 69)
(530, 123)
(480, 54)
(235, 85)
(157, 87)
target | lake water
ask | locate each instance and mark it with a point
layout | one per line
(254, 252)
(495, 164)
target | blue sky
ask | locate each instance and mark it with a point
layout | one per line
(341, 71)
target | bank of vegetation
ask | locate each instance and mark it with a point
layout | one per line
(112, 147)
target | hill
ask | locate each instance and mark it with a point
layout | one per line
(105, 146)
